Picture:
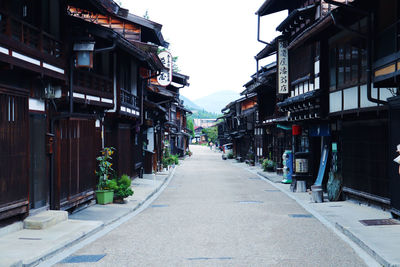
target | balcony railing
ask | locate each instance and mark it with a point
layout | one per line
(388, 41)
(93, 84)
(22, 35)
(129, 100)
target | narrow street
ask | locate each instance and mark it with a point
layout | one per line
(215, 213)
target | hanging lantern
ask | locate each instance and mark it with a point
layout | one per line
(84, 54)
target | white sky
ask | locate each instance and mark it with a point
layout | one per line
(215, 40)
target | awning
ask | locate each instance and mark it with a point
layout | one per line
(180, 79)
(185, 109)
(265, 78)
(160, 90)
(171, 124)
(154, 105)
(273, 6)
(311, 31)
(299, 98)
(297, 16)
(268, 50)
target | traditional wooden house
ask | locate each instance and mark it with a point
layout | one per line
(178, 132)
(165, 120)
(80, 91)
(33, 68)
(336, 104)
(129, 52)
(240, 118)
(271, 137)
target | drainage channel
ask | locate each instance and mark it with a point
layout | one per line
(250, 202)
(206, 258)
(300, 215)
(83, 258)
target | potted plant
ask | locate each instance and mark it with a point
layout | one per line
(122, 188)
(268, 165)
(250, 158)
(104, 193)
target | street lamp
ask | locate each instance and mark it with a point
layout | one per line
(84, 54)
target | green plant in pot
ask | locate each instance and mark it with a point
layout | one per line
(122, 188)
(104, 193)
(268, 165)
(250, 158)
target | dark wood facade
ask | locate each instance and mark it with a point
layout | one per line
(56, 116)
(333, 97)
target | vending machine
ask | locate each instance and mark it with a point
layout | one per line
(287, 161)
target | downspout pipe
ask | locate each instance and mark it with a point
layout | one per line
(369, 45)
(71, 85)
(258, 31)
(369, 65)
(259, 39)
(107, 49)
(144, 81)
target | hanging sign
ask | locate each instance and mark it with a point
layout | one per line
(165, 77)
(283, 68)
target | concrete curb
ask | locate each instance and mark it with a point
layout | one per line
(102, 226)
(143, 201)
(63, 246)
(362, 245)
(363, 252)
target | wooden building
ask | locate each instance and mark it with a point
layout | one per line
(240, 119)
(337, 97)
(271, 135)
(165, 121)
(32, 64)
(70, 84)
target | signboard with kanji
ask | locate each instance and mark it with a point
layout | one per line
(165, 77)
(283, 67)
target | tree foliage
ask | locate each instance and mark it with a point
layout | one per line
(212, 133)
(190, 125)
(203, 114)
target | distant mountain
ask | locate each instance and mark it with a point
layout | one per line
(217, 101)
(190, 104)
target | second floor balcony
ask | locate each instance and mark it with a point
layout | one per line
(27, 46)
(129, 103)
(92, 88)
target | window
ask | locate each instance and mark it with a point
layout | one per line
(347, 66)
(332, 68)
(11, 109)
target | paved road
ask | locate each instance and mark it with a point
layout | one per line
(215, 213)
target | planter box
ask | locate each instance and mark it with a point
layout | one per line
(104, 196)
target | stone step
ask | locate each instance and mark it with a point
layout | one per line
(45, 219)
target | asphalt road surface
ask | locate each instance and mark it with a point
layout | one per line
(215, 213)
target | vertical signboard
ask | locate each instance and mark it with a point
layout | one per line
(165, 77)
(283, 68)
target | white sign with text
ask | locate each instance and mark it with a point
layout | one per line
(283, 68)
(165, 77)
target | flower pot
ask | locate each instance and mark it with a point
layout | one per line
(119, 200)
(104, 196)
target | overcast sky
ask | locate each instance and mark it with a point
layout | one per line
(215, 40)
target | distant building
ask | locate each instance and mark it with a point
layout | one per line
(205, 123)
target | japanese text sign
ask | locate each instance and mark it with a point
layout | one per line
(165, 77)
(283, 68)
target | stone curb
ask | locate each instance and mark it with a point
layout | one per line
(362, 245)
(63, 246)
(345, 234)
(97, 229)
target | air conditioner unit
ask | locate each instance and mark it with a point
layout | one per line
(51, 92)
